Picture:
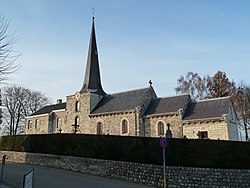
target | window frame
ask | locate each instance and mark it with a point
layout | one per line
(203, 134)
(37, 124)
(77, 106)
(99, 128)
(160, 128)
(124, 126)
(77, 120)
(58, 122)
(29, 124)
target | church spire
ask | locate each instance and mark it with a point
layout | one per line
(92, 80)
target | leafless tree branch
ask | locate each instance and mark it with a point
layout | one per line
(7, 55)
(18, 103)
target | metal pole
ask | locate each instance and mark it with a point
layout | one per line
(1, 181)
(3, 163)
(164, 169)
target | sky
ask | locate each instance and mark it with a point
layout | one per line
(138, 41)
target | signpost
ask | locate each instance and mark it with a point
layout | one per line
(3, 163)
(163, 144)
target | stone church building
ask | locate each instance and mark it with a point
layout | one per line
(137, 112)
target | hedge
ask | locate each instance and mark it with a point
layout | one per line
(179, 152)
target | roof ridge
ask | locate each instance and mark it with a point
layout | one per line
(54, 104)
(213, 99)
(131, 90)
(49, 108)
(172, 96)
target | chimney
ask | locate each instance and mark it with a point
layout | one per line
(59, 101)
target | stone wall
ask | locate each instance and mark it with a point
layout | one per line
(56, 125)
(112, 123)
(47, 123)
(71, 112)
(87, 102)
(177, 177)
(173, 119)
(42, 128)
(217, 129)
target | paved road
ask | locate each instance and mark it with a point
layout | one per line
(57, 178)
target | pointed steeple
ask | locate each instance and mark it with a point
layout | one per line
(92, 80)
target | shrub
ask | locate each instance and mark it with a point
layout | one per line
(179, 152)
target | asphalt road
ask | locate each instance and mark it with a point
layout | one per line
(56, 178)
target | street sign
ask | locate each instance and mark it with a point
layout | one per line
(28, 179)
(163, 142)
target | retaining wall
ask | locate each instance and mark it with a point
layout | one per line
(140, 173)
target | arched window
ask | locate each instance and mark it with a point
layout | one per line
(75, 126)
(58, 123)
(76, 120)
(124, 126)
(77, 106)
(99, 128)
(37, 124)
(160, 128)
(29, 124)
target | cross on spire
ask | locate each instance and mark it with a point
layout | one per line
(93, 13)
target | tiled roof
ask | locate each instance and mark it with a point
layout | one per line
(205, 109)
(167, 104)
(48, 109)
(124, 101)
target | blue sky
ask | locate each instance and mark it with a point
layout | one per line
(138, 40)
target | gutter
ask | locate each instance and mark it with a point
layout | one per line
(112, 112)
(204, 119)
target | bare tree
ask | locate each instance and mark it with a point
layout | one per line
(7, 53)
(35, 101)
(19, 102)
(242, 103)
(193, 84)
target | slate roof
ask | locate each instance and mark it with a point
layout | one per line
(48, 109)
(92, 80)
(167, 104)
(206, 109)
(123, 101)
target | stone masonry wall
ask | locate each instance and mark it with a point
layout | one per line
(216, 129)
(43, 125)
(173, 119)
(112, 123)
(177, 177)
(53, 122)
(87, 102)
(71, 112)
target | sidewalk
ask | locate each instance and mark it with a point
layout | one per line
(4, 186)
